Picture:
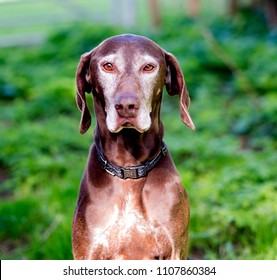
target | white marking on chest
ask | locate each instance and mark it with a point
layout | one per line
(122, 222)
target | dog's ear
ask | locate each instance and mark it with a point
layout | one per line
(83, 85)
(175, 85)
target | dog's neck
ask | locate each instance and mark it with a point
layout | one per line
(129, 147)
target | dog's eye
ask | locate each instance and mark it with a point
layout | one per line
(148, 67)
(108, 67)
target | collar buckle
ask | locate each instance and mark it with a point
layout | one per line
(130, 173)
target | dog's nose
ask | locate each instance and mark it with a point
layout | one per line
(127, 106)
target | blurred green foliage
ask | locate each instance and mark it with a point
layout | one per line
(228, 165)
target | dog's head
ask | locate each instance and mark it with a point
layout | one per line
(127, 74)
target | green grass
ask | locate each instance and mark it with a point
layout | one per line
(228, 165)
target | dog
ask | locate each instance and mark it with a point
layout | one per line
(131, 202)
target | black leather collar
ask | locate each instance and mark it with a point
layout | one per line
(132, 172)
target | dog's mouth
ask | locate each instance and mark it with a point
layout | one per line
(140, 123)
(130, 123)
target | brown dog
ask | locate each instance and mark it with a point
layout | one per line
(131, 202)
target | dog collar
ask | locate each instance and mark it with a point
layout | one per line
(132, 172)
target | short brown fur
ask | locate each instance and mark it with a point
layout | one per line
(144, 218)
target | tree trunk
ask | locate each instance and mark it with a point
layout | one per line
(155, 14)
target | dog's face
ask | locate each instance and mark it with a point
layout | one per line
(130, 73)
(126, 74)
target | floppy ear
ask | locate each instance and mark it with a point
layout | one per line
(175, 85)
(83, 86)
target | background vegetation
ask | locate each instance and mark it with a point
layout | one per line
(228, 164)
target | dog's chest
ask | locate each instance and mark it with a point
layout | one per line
(125, 226)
